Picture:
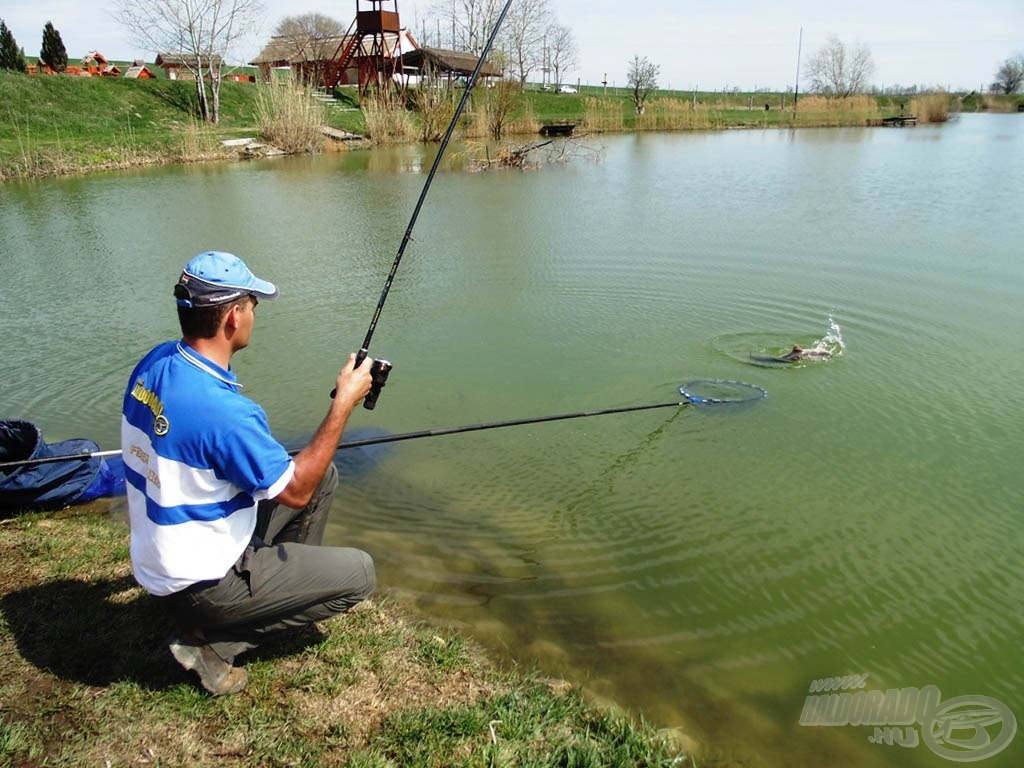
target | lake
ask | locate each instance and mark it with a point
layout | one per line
(702, 565)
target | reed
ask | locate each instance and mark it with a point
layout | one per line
(931, 107)
(817, 110)
(991, 103)
(196, 143)
(603, 115)
(674, 115)
(436, 104)
(387, 119)
(289, 117)
(500, 111)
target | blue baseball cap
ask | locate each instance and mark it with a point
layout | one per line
(215, 277)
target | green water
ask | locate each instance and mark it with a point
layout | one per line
(703, 566)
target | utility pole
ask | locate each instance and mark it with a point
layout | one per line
(799, 52)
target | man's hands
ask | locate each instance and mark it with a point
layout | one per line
(353, 383)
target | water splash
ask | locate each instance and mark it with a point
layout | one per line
(783, 349)
(832, 342)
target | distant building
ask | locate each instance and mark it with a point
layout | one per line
(95, 63)
(183, 66)
(139, 71)
(311, 59)
(450, 64)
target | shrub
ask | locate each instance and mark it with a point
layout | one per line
(387, 119)
(289, 117)
(931, 107)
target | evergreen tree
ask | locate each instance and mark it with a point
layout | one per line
(11, 56)
(53, 54)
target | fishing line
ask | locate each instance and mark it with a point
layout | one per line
(699, 393)
(380, 368)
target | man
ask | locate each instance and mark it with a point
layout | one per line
(225, 526)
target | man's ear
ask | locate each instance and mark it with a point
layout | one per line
(231, 318)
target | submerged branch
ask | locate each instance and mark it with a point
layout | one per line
(533, 156)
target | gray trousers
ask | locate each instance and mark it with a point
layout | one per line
(283, 579)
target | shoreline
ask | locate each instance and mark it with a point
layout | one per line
(87, 679)
(58, 126)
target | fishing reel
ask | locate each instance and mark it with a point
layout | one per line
(379, 371)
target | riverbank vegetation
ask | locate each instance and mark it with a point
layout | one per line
(86, 679)
(52, 125)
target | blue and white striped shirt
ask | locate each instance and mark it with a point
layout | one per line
(198, 457)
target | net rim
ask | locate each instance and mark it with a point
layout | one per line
(752, 392)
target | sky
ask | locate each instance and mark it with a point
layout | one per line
(716, 45)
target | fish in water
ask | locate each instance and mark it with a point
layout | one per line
(796, 354)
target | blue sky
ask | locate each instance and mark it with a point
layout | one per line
(707, 45)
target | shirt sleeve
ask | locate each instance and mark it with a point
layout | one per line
(252, 459)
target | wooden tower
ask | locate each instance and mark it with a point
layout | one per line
(371, 45)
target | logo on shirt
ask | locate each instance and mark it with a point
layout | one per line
(161, 425)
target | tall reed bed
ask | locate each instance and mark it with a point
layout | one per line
(603, 115)
(196, 142)
(289, 116)
(674, 115)
(501, 110)
(387, 119)
(931, 107)
(436, 104)
(820, 110)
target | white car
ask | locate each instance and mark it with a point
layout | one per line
(567, 89)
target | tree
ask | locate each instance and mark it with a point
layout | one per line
(201, 33)
(315, 37)
(836, 71)
(53, 53)
(562, 51)
(11, 56)
(642, 78)
(523, 35)
(470, 22)
(1010, 75)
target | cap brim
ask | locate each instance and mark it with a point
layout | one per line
(262, 288)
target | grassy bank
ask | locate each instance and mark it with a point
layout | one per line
(52, 125)
(86, 679)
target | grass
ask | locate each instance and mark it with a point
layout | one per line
(86, 679)
(289, 117)
(53, 125)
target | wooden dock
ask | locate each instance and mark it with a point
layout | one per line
(894, 122)
(557, 129)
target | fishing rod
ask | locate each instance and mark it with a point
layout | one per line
(381, 368)
(398, 437)
(709, 392)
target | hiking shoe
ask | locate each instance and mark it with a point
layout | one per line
(216, 675)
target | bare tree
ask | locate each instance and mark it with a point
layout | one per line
(642, 78)
(523, 35)
(470, 22)
(562, 51)
(201, 33)
(315, 38)
(836, 71)
(1010, 75)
